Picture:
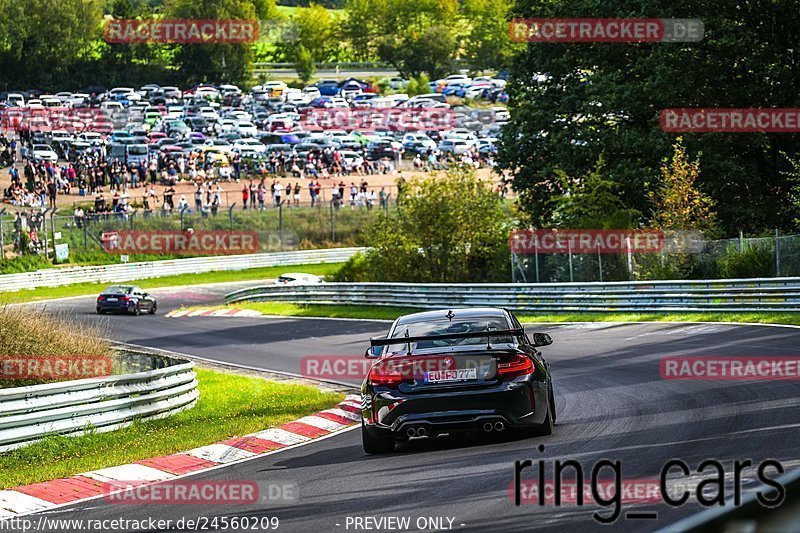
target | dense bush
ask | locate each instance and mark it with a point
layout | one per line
(754, 260)
(449, 228)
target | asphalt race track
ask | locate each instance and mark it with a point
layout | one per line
(611, 402)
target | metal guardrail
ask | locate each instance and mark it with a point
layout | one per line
(734, 295)
(27, 414)
(53, 277)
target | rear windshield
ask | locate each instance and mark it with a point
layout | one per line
(443, 327)
(117, 289)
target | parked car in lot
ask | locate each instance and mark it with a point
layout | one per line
(126, 299)
(463, 371)
(44, 152)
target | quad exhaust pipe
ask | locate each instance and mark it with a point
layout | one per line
(487, 427)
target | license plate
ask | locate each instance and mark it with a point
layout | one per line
(112, 299)
(441, 376)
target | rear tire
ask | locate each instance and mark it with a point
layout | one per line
(153, 309)
(99, 311)
(375, 445)
(137, 310)
(546, 428)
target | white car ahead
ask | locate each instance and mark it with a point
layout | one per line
(294, 278)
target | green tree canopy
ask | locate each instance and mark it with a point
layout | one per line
(573, 102)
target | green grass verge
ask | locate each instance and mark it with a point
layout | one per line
(82, 289)
(390, 313)
(230, 405)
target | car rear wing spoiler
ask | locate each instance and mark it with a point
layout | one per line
(447, 336)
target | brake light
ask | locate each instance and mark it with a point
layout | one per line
(124, 298)
(516, 365)
(387, 375)
(101, 298)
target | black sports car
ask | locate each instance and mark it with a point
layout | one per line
(125, 298)
(462, 370)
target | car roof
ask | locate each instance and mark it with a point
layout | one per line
(468, 312)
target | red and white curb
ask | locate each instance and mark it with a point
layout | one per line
(183, 313)
(49, 494)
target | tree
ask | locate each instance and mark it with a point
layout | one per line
(488, 45)
(573, 102)
(309, 37)
(230, 63)
(592, 202)
(415, 36)
(679, 204)
(304, 63)
(449, 228)
(41, 41)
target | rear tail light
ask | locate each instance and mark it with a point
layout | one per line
(101, 298)
(384, 374)
(516, 365)
(124, 298)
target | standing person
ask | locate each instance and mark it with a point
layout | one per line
(52, 191)
(153, 167)
(335, 197)
(311, 189)
(383, 198)
(252, 195)
(168, 196)
(278, 192)
(318, 192)
(245, 195)
(237, 166)
(198, 196)
(297, 194)
(262, 194)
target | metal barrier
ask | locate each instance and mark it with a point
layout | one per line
(53, 277)
(28, 414)
(739, 295)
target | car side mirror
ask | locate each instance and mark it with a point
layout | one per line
(541, 339)
(373, 352)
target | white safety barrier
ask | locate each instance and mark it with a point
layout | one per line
(28, 414)
(53, 277)
(740, 295)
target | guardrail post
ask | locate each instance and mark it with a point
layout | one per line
(183, 210)
(230, 216)
(44, 215)
(630, 258)
(569, 251)
(280, 219)
(333, 225)
(536, 257)
(53, 231)
(2, 237)
(600, 263)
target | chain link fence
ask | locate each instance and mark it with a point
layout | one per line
(744, 257)
(281, 228)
